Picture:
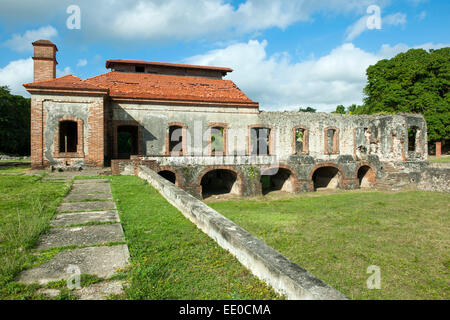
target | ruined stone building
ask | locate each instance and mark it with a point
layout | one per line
(205, 135)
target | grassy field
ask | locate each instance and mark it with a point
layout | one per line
(443, 159)
(338, 236)
(26, 207)
(170, 257)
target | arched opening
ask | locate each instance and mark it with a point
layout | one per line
(127, 141)
(217, 182)
(277, 179)
(68, 136)
(168, 175)
(327, 178)
(366, 177)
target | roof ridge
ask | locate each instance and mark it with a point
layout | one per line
(58, 78)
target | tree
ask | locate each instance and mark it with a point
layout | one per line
(14, 123)
(340, 109)
(416, 81)
(308, 109)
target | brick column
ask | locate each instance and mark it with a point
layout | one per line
(37, 130)
(438, 149)
(96, 137)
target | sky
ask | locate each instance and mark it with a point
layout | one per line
(285, 54)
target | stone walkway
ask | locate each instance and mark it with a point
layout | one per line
(87, 218)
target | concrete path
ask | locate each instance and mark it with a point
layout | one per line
(87, 219)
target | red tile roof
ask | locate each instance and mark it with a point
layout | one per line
(164, 64)
(172, 88)
(160, 88)
(68, 82)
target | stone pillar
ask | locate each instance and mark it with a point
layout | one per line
(438, 149)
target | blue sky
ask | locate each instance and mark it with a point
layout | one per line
(285, 54)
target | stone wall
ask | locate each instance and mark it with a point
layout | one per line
(434, 179)
(46, 114)
(283, 275)
(384, 136)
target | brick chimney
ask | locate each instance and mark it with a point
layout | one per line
(44, 60)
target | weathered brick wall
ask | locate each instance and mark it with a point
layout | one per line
(46, 113)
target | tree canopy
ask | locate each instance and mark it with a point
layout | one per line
(308, 109)
(14, 123)
(416, 81)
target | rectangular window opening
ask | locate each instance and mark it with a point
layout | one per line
(260, 141)
(68, 136)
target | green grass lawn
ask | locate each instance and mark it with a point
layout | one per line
(26, 207)
(338, 236)
(170, 257)
(442, 159)
(14, 169)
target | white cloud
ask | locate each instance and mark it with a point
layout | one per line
(280, 84)
(22, 43)
(18, 72)
(15, 74)
(395, 19)
(82, 63)
(357, 28)
(360, 26)
(180, 19)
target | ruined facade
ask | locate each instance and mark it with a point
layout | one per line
(205, 135)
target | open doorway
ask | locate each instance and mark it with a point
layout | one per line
(127, 141)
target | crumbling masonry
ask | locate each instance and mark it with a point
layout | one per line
(205, 135)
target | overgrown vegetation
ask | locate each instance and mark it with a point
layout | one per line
(416, 81)
(338, 236)
(170, 257)
(14, 123)
(26, 206)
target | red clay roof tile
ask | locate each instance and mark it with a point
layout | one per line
(68, 82)
(143, 86)
(174, 88)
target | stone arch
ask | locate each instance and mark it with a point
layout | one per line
(366, 175)
(167, 169)
(220, 180)
(279, 178)
(327, 175)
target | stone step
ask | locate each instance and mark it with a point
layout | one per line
(81, 236)
(67, 219)
(99, 261)
(80, 196)
(86, 206)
